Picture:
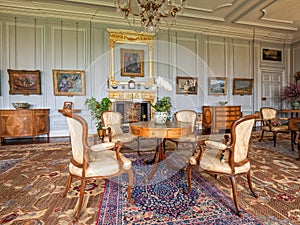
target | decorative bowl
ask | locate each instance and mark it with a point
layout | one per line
(223, 102)
(20, 105)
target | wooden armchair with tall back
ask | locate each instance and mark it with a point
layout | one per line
(101, 161)
(186, 116)
(272, 123)
(230, 159)
(112, 122)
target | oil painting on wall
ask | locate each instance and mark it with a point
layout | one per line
(69, 82)
(25, 82)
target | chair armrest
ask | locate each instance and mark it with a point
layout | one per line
(118, 149)
(283, 118)
(102, 146)
(107, 132)
(215, 144)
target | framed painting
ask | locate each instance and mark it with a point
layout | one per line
(242, 86)
(217, 86)
(132, 62)
(130, 56)
(186, 85)
(68, 82)
(24, 82)
(68, 105)
(271, 55)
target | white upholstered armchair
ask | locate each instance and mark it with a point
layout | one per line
(112, 122)
(186, 116)
(229, 159)
(101, 161)
(271, 123)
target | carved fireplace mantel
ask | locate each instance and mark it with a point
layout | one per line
(132, 95)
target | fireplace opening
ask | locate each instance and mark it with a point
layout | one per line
(133, 111)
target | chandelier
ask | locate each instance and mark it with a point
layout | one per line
(150, 11)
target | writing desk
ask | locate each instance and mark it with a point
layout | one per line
(149, 129)
(291, 111)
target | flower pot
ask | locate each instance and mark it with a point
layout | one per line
(160, 117)
(295, 105)
(100, 133)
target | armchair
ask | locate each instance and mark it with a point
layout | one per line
(294, 127)
(271, 123)
(101, 161)
(112, 121)
(229, 159)
(185, 116)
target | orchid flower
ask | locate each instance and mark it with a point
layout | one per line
(162, 82)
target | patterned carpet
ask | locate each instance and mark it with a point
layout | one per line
(163, 201)
(33, 177)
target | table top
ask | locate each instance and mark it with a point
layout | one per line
(290, 110)
(169, 130)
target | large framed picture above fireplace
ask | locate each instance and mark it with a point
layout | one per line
(130, 59)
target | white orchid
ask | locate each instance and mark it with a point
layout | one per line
(162, 82)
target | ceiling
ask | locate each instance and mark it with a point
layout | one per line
(269, 17)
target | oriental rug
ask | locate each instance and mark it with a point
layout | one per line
(162, 200)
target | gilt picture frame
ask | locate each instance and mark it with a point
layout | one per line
(217, 86)
(24, 82)
(68, 82)
(132, 62)
(242, 86)
(186, 85)
(271, 55)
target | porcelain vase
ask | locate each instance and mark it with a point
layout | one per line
(160, 117)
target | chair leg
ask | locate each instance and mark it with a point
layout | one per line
(235, 197)
(293, 135)
(262, 136)
(130, 180)
(138, 146)
(189, 179)
(274, 138)
(164, 144)
(298, 147)
(250, 184)
(67, 186)
(82, 188)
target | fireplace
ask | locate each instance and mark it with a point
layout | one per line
(133, 111)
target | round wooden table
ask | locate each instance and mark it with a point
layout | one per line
(149, 129)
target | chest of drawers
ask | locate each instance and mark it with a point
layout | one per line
(24, 122)
(216, 118)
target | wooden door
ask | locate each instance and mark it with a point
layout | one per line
(271, 89)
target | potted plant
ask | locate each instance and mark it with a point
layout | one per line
(162, 110)
(291, 94)
(96, 108)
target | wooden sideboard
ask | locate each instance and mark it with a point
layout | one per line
(23, 123)
(216, 118)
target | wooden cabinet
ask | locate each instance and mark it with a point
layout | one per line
(216, 118)
(24, 122)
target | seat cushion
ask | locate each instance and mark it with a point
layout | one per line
(105, 164)
(123, 138)
(211, 162)
(276, 128)
(187, 138)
